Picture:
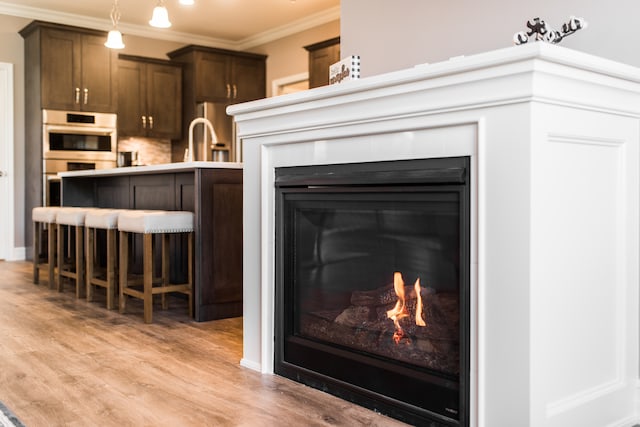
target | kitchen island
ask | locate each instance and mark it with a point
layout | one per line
(211, 190)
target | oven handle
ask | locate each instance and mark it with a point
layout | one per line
(81, 130)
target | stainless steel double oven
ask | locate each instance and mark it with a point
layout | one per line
(75, 141)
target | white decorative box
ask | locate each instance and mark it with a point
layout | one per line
(344, 70)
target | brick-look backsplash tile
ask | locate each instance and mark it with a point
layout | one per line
(150, 151)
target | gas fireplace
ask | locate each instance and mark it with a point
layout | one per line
(372, 284)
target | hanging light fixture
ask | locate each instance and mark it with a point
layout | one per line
(187, 2)
(160, 18)
(114, 38)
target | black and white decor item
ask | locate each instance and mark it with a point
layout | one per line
(539, 30)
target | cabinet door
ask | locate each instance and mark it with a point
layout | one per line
(131, 98)
(60, 70)
(319, 62)
(164, 100)
(98, 75)
(212, 77)
(249, 80)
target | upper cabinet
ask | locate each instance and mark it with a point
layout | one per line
(321, 56)
(219, 75)
(70, 67)
(149, 98)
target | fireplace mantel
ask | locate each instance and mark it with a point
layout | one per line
(553, 138)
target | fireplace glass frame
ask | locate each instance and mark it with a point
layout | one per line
(414, 394)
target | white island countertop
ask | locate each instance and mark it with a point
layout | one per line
(150, 169)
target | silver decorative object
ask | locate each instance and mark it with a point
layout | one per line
(539, 30)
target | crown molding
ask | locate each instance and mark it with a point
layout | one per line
(291, 28)
(324, 17)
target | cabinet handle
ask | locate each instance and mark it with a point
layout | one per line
(77, 95)
(235, 91)
(150, 122)
(144, 122)
(86, 95)
(228, 90)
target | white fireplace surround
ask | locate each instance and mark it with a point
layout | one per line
(553, 136)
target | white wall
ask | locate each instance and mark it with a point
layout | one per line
(392, 35)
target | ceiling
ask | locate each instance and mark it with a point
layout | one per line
(235, 24)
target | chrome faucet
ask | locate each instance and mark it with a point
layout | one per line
(214, 139)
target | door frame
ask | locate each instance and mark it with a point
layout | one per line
(279, 86)
(7, 224)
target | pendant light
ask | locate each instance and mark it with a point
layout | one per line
(114, 38)
(160, 18)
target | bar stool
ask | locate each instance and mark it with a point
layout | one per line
(149, 224)
(102, 219)
(71, 221)
(44, 217)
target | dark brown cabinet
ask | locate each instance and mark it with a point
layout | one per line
(76, 71)
(150, 97)
(222, 75)
(321, 56)
(219, 77)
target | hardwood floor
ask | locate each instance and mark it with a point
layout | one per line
(66, 362)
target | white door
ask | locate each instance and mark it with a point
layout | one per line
(6, 161)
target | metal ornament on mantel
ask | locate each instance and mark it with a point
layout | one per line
(539, 30)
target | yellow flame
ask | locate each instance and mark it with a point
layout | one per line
(419, 320)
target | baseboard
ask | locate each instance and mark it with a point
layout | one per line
(18, 254)
(250, 364)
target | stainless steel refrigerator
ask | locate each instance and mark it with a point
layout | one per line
(223, 148)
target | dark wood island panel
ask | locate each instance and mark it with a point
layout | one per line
(215, 197)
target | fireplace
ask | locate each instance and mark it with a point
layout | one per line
(372, 284)
(552, 136)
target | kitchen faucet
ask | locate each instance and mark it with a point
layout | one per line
(214, 139)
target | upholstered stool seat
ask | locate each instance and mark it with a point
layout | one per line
(44, 217)
(150, 223)
(102, 219)
(70, 224)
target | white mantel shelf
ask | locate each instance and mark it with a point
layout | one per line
(149, 169)
(553, 136)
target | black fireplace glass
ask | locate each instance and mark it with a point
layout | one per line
(372, 281)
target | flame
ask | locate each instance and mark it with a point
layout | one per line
(399, 311)
(419, 320)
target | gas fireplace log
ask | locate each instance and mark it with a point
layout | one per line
(440, 313)
(351, 330)
(385, 295)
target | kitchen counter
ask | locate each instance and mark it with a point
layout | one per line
(150, 169)
(211, 190)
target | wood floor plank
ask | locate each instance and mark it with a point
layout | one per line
(66, 362)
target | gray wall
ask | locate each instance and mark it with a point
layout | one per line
(392, 35)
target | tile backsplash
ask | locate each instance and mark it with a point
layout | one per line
(150, 151)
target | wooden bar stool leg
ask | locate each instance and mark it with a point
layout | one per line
(111, 269)
(51, 254)
(79, 252)
(147, 262)
(89, 238)
(124, 269)
(37, 229)
(61, 255)
(165, 269)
